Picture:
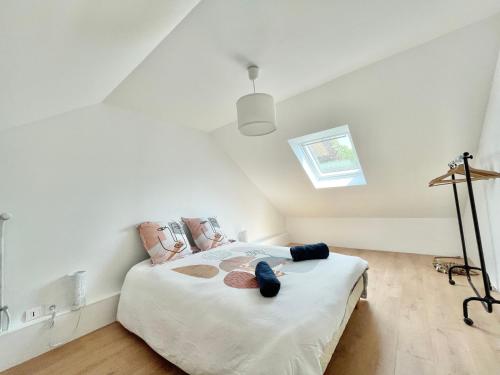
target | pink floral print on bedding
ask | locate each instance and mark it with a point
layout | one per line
(163, 243)
(206, 232)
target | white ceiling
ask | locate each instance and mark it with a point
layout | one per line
(58, 55)
(195, 75)
(409, 115)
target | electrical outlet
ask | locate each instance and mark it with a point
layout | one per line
(33, 313)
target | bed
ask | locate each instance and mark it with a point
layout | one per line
(204, 313)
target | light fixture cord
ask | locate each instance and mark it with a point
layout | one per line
(253, 83)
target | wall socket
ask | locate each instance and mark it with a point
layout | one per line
(33, 313)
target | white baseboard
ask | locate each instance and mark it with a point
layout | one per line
(31, 340)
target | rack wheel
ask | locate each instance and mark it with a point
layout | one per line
(452, 282)
(468, 321)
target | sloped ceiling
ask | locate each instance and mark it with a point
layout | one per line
(196, 74)
(409, 115)
(58, 55)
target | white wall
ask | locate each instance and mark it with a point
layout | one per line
(434, 236)
(78, 184)
(409, 115)
(487, 193)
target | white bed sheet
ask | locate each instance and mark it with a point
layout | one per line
(207, 327)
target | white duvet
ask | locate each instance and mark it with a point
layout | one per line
(196, 313)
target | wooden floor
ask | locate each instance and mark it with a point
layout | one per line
(410, 324)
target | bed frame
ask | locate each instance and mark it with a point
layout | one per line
(358, 291)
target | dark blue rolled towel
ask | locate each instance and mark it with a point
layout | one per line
(307, 252)
(268, 282)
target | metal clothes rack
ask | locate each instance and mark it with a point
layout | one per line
(461, 166)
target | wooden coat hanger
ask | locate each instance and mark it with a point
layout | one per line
(475, 174)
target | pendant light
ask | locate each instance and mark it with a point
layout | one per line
(256, 111)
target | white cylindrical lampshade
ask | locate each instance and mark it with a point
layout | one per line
(256, 114)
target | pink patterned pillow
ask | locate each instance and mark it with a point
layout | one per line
(164, 242)
(206, 232)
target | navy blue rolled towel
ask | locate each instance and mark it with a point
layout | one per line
(307, 252)
(268, 282)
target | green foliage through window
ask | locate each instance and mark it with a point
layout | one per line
(334, 155)
(329, 158)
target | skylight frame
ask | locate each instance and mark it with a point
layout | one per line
(309, 162)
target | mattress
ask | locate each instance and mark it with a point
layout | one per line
(205, 314)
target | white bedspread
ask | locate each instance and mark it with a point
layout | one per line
(207, 327)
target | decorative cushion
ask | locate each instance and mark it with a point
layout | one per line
(164, 242)
(206, 232)
(189, 237)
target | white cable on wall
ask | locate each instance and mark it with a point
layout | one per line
(79, 294)
(71, 335)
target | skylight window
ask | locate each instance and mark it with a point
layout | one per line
(329, 158)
